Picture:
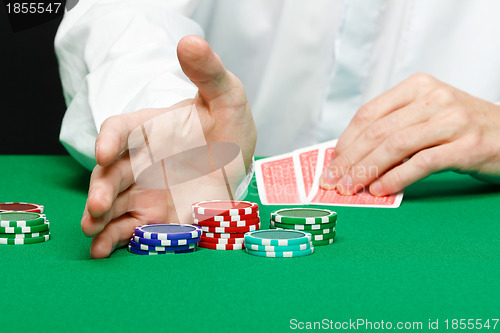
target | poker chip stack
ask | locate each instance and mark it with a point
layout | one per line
(320, 223)
(225, 222)
(156, 239)
(23, 223)
(279, 243)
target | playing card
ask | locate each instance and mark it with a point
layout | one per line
(363, 198)
(277, 180)
(306, 165)
(293, 179)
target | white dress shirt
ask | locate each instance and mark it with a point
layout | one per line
(306, 66)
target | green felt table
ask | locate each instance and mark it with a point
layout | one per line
(435, 257)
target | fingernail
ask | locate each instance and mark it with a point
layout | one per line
(344, 186)
(376, 188)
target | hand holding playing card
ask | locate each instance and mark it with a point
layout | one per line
(433, 124)
(293, 179)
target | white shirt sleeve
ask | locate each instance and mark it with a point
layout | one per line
(116, 57)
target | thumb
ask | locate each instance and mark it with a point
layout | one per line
(204, 68)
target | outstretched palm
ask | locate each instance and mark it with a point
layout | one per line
(116, 205)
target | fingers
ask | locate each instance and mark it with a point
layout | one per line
(391, 152)
(204, 68)
(114, 133)
(371, 138)
(92, 225)
(112, 139)
(116, 233)
(393, 99)
(142, 207)
(419, 166)
(105, 185)
(107, 182)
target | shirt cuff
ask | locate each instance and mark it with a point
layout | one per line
(242, 190)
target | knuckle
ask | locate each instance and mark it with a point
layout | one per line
(442, 95)
(462, 117)
(108, 121)
(339, 168)
(361, 172)
(474, 140)
(364, 114)
(344, 161)
(469, 146)
(339, 149)
(395, 178)
(454, 121)
(376, 132)
(117, 121)
(399, 143)
(96, 173)
(427, 161)
(422, 79)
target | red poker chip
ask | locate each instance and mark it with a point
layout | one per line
(213, 246)
(230, 230)
(227, 224)
(246, 217)
(225, 207)
(222, 240)
(21, 207)
(223, 235)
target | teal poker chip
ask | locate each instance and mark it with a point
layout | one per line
(277, 237)
(304, 216)
(303, 227)
(264, 248)
(285, 254)
(21, 219)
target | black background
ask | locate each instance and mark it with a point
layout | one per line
(31, 99)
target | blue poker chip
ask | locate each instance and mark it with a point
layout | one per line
(168, 231)
(153, 253)
(145, 247)
(165, 242)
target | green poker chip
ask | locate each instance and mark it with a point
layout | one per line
(25, 230)
(277, 237)
(323, 242)
(23, 241)
(304, 216)
(30, 235)
(303, 227)
(323, 237)
(312, 232)
(21, 219)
